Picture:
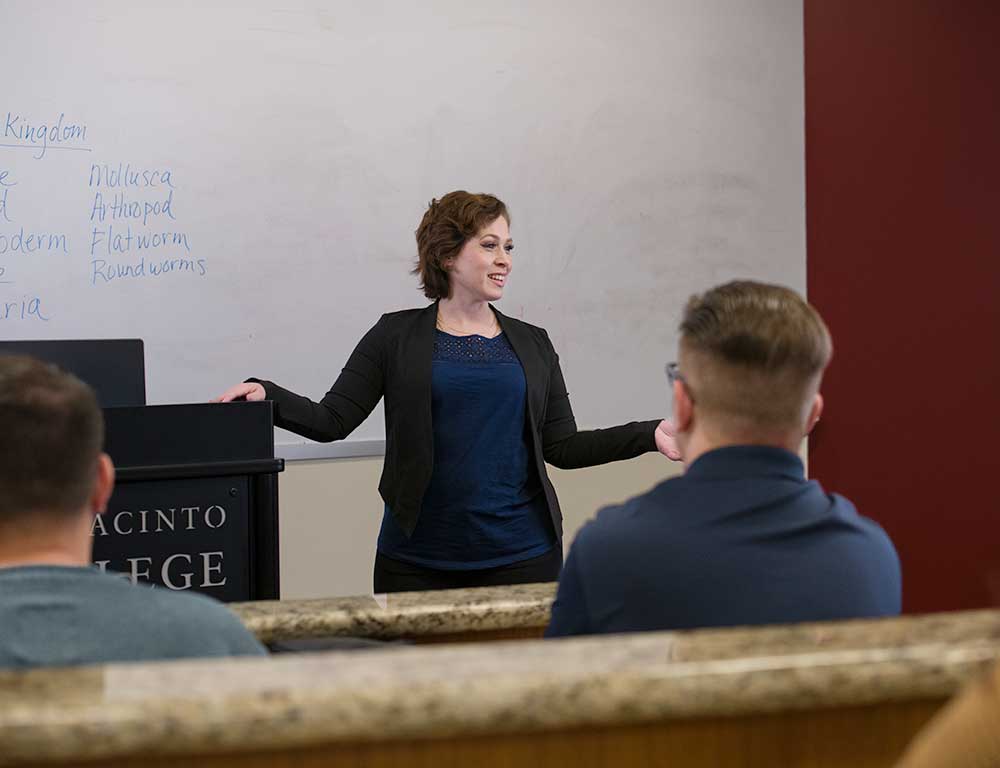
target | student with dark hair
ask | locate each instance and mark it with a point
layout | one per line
(475, 405)
(742, 537)
(55, 608)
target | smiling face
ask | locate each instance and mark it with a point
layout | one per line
(480, 270)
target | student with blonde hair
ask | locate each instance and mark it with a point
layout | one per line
(742, 537)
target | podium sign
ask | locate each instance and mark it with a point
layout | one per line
(195, 500)
(182, 534)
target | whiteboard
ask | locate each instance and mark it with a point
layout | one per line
(238, 184)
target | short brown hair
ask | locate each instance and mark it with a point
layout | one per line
(51, 438)
(758, 352)
(446, 226)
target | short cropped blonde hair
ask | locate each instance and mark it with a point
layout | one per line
(756, 354)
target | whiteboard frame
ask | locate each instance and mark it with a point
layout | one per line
(347, 449)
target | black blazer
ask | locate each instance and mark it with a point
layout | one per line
(394, 360)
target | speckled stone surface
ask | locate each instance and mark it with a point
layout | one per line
(403, 614)
(425, 692)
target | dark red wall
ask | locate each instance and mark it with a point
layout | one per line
(903, 222)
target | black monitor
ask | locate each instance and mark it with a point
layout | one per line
(115, 368)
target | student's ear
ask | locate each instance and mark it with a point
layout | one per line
(683, 408)
(104, 484)
(814, 412)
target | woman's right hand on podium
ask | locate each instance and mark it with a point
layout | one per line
(248, 390)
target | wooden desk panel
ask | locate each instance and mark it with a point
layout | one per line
(848, 737)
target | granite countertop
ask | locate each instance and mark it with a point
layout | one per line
(402, 614)
(452, 611)
(247, 704)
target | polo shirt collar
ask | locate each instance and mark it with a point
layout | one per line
(735, 461)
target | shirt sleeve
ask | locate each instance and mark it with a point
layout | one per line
(569, 610)
(242, 642)
(349, 401)
(566, 447)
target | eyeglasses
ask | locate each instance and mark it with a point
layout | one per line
(674, 374)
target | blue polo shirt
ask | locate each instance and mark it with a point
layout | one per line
(484, 506)
(741, 538)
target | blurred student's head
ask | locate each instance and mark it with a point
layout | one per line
(52, 469)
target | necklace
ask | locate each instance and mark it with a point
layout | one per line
(493, 331)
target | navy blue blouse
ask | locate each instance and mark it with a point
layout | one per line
(484, 506)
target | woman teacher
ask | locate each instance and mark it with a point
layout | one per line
(475, 405)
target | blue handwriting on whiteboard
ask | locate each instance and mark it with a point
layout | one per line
(104, 271)
(117, 241)
(19, 242)
(5, 186)
(44, 136)
(119, 207)
(124, 175)
(28, 308)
